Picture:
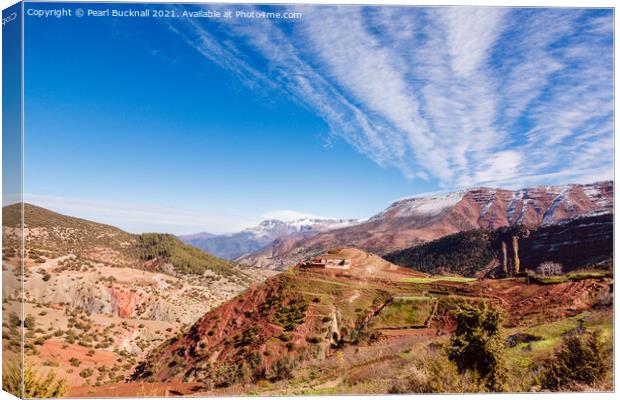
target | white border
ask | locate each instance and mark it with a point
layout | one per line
(490, 3)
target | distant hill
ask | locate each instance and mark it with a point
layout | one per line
(97, 297)
(413, 221)
(236, 245)
(55, 235)
(73, 261)
(578, 242)
(184, 258)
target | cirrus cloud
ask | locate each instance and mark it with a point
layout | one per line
(458, 95)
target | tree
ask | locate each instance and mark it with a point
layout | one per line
(582, 359)
(515, 250)
(504, 259)
(477, 345)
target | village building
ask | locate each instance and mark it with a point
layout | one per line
(331, 263)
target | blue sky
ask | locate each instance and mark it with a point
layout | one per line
(194, 125)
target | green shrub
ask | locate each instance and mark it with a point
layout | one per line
(29, 322)
(14, 320)
(477, 345)
(314, 339)
(461, 253)
(582, 359)
(291, 315)
(248, 337)
(440, 375)
(283, 368)
(34, 385)
(86, 372)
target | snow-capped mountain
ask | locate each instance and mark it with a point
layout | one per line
(503, 207)
(411, 221)
(235, 245)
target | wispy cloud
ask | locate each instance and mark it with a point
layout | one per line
(138, 218)
(289, 215)
(457, 95)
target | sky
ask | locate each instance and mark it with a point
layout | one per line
(193, 124)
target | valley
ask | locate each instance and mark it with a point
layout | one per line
(370, 329)
(111, 313)
(97, 298)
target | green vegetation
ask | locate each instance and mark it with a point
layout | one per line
(477, 345)
(576, 276)
(582, 360)
(86, 372)
(29, 322)
(290, 315)
(248, 337)
(185, 258)
(283, 368)
(513, 249)
(462, 253)
(589, 274)
(35, 385)
(440, 375)
(404, 312)
(439, 278)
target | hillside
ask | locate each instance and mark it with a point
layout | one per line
(291, 315)
(184, 258)
(100, 297)
(575, 243)
(365, 329)
(409, 222)
(53, 235)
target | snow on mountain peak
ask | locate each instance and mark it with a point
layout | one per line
(276, 228)
(422, 206)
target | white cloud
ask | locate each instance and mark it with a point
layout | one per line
(460, 95)
(471, 32)
(138, 218)
(289, 215)
(502, 166)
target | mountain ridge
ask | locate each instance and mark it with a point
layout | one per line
(412, 221)
(233, 246)
(575, 243)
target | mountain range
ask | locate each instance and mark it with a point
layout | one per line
(237, 245)
(412, 221)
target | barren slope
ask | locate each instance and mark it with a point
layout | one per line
(97, 297)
